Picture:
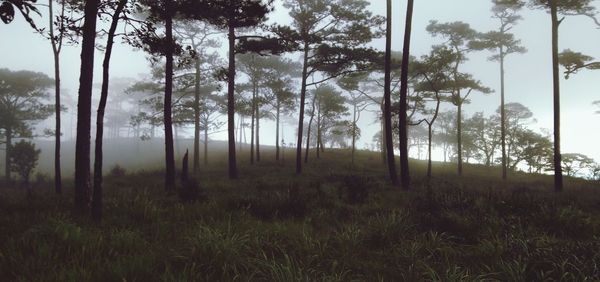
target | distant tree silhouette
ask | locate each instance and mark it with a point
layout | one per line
(24, 158)
(504, 44)
(331, 35)
(22, 95)
(357, 100)
(458, 35)
(231, 15)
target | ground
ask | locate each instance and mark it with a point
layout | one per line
(333, 223)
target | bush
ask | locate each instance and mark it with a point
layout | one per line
(24, 157)
(117, 171)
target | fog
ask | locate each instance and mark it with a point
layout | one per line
(528, 76)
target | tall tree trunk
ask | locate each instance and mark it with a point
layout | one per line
(310, 121)
(353, 134)
(318, 133)
(502, 115)
(257, 132)
(206, 145)
(168, 119)
(277, 130)
(252, 124)
(301, 114)
(382, 138)
(459, 136)
(84, 108)
(56, 55)
(403, 123)
(98, 158)
(231, 103)
(197, 117)
(7, 153)
(558, 178)
(429, 138)
(387, 112)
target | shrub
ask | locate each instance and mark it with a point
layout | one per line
(24, 158)
(117, 171)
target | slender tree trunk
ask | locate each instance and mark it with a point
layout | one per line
(206, 145)
(558, 178)
(253, 115)
(301, 114)
(168, 119)
(197, 117)
(429, 138)
(7, 153)
(233, 174)
(403, 123)
(459, 137)
(310, 121)
(353, 134)
(257, 132)
(56, 55)
(382, 137)
(387, 112)
(318, 133)
(502, 114)
(277, 130)
(84, 108)
(98, 157)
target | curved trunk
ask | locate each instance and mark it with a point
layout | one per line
(98, 158)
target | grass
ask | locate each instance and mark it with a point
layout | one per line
(330, 224)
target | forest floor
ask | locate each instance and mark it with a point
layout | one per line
(333, 223)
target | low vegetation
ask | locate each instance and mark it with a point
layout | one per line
(329, 225)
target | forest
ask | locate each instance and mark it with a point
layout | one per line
(299, 140)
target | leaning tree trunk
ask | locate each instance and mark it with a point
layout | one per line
(403, 123)
(387, 112)
(231, 103)
(301, 114)
(84, 108)
(98, 158)
(558, 178)
(168, 119)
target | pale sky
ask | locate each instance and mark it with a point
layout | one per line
(528, 77)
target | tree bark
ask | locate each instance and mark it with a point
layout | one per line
(7, 153)
(168, 119)
(196, 162)
(459, 136)
(353, 134)
(301, 114)
(84, 108)
(257, 129)
(56, 56)
(253, 116)
(312, 115)
(403, 123)
(429, 137)
(233, 174)
(98, 156)
(387, 112)
(558, 178)
(502, 115)
(319, 145)
(277, 130)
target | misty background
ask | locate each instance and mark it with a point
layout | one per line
(528, 77)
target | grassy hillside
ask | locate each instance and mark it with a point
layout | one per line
(333, 223)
